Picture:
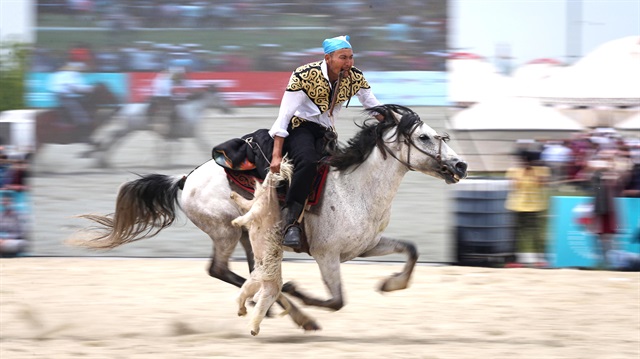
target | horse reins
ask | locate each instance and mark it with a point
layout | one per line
(410, 143)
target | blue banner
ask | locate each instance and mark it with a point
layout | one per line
(39, 95)
(570, 242)
(408, 88)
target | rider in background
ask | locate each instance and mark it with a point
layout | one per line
(160, 91)
(70, 90)
(170, 87)
(310, 104)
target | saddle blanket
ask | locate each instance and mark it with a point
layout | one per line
(246, 160)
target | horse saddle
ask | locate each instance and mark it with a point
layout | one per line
(246, 160)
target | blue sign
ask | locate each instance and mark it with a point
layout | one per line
(39, 95)
(570, 242)
(408, 88)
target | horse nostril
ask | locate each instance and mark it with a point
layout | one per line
(461, 167)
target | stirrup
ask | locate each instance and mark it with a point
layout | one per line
(292, 237)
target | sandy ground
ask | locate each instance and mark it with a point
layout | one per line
(170, 308)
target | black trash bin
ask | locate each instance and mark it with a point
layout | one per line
(483, 232)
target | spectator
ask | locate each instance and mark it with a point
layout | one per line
(528, 201)
(12, 234)
(630, 182)
(604, 189)
(16, 179)
(557, 156)
(82, 53)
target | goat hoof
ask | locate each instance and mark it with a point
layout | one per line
(311, 326)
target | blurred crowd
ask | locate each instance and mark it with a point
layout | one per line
(14, 173)
(601, 164)
(572, 160)
(415, 35)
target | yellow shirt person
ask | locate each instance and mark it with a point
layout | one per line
(528, 189)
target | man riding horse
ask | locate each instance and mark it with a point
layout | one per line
(70, 90)
(170, 88)
(310, 105)
(79, 103)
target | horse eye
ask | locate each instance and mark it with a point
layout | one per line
(423, 137)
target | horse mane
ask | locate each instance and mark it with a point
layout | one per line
(371, 133)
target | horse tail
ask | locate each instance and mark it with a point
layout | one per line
(144, 207)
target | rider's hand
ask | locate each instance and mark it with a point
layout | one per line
(275, 164)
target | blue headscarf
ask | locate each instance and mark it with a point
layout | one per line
(336, 43)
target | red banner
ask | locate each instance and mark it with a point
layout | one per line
(239, 88)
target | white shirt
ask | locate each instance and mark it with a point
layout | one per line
(162, 85)
(297, 103)
(68, 83)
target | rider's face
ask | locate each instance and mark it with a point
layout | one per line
(339, 60)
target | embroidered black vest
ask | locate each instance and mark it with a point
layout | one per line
(309, 78)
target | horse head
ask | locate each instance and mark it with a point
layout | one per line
(401, 134)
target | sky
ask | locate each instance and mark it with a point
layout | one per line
(534, 29)
(529, 29)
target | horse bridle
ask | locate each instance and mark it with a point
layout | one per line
(410, 143)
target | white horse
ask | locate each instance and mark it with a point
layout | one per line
(133, 117)
(348, 223)
(264, 223)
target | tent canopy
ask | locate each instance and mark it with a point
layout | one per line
(511, 113)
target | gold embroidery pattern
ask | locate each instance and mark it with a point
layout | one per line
(309, 78)
(296, 121)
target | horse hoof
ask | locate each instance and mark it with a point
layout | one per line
(242, 312)
(289, 288)
(391, 285)
(311, 326)
(255, 332)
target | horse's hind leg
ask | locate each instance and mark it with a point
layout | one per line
(389, 246)
(219, 264)
(330, 271)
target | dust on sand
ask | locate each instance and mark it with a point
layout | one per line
(170, 308)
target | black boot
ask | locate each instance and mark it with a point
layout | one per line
(291, 228)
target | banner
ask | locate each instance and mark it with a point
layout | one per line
(570, 242)
(408, 88)
(38, 93)
(239, 88)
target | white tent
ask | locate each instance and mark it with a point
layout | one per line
(630, 124)
(472, 79)
(606, 78)
(512, 113)
(18, 126)
(486, 133)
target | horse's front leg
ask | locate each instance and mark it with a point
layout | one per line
(389, 246)
(330, 271)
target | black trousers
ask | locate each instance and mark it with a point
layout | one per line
(303, 146)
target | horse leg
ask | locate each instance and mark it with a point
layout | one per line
(248, 250)
(219, 268)
(301, 319)
(389, 246)
(330, 271)
(219, 264)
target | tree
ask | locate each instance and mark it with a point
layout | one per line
(13, 67)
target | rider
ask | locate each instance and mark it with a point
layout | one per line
(70, 89)
(310, 104)
(161, 90)
(169, 87)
